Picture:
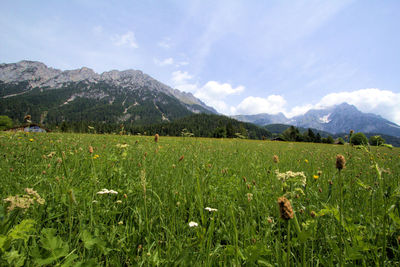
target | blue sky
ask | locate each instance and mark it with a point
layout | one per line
(241, 57)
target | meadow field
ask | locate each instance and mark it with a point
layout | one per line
(112, 200)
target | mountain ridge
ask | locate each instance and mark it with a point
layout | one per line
(334, 119)
(30, 87)
(39, 75)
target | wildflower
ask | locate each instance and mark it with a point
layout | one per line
(51, 154)
(106, 191)
(306, 160)
(340, 162)
(319, 173)
(289, 175)
(269, 220)
(285, 208)
(24, 201)
(118, 201)
(31, 139)
(35, 195)
(122, 145)
(276, 159)
(94, 201)
(312, 214)
(193, 224)
(249, 197)
(156, 137)
(316, 177)
(90, 149)
(120, 222)
(96, 156)
(125, 196)
(210, 209)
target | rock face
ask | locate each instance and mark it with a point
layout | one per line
(336, 119)
(39, 75)
(129, 89)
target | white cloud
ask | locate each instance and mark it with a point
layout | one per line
(165, 43)
(165, 62)
(125, 39)
(212, 93)
(220, 90)
(273, 104)
(180, 77)
(182, 63)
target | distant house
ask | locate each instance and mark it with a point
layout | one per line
(32, 127)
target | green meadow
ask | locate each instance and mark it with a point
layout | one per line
(112, 200)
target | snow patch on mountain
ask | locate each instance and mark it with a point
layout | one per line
(325, 119)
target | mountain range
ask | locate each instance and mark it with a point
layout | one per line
(335, 119)
(52, 96)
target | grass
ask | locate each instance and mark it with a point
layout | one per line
(165, 185)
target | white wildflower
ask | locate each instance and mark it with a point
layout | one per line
(210, 209)
(106, 191)
(290, 175)
(193, 224)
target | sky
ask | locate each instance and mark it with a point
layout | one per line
(240, 57)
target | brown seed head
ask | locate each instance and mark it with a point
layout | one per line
(181, 158)
(340, 162)
(90, 149)
(276, 159)
(312, 214)
(156, 137)
(285, 208)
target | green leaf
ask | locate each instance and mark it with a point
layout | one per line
(13, 258)
(56, 247)
(22, 230)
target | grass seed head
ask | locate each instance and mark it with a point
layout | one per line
(285, 208)
(90, 149)
(276, 159)
(156, 137)
(340, 162)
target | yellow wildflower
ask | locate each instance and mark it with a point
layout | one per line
(316, 177)
(306, 160)
(31, 139)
